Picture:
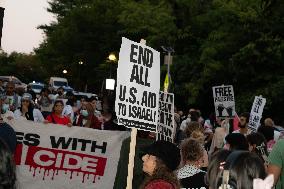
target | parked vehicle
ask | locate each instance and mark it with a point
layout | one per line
(18, 84)
(36, 87)
(56, 82)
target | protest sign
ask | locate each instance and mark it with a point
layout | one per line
(58, 157)
(256, 113)
(224, 101)
(138, 84)
(166, 124)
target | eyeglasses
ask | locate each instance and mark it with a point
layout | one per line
(25, 101)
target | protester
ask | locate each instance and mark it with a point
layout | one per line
(12, 98)
(7, 167)
(27, 110)
(192, 116)
(56, 116)
(199, 137)
(242, 168)
(190, 127)
(93, 101)
(2, 90)
(257, 144)
(160, 159)
(110, 122)
(190, 175)
(215, 162)
(60, 93)
(8, 135)
(31, 92)
(219, 136)
(68, 108)
(271, 136)
(86, 117)
(45, 102)
(6, 115)
(208, 133)
(276, 164)
(243, 124)
(236, 141)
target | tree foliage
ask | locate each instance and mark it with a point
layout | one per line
(238, 42)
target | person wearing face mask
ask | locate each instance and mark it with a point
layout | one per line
(86, 117)
(6, 115)
(243, 124)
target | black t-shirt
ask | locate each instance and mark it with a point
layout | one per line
(196, 181)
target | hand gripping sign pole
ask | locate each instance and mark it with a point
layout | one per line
(132, 149)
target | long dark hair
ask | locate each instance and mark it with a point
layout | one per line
(161, 172)
(260, 148)
(7, 167)
(243, 168)
(29, 115)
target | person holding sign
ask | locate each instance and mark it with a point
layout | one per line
(160, 159)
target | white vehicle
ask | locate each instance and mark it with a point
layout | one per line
(56, 82)
(15, 80)
(36, 87)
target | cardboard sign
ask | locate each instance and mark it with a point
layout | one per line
(224, 101)
(256, 113)
(54, 156)
(166, 126)
(138, 84)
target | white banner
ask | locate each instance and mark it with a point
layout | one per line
(256, 112)
(224, 101)
(138, 84)
(166, 125)
(58, 157)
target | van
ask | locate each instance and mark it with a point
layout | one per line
(56, 82)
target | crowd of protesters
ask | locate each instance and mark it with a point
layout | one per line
(212, 154)
(206, 153)
(61, 108)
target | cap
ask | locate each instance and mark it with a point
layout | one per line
(166, 151)
(27, 96)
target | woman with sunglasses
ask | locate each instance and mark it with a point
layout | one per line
(27, 110)
(56, 116)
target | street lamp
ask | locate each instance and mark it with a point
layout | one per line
(64, 71)
(112, 57)
(81, 62)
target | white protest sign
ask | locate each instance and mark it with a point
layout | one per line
(54, 156)
(138, 84)
(256, 113)
(166, 124)
(224, 101)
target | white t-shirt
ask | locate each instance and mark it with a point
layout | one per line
(68, 111)
(38, 117)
